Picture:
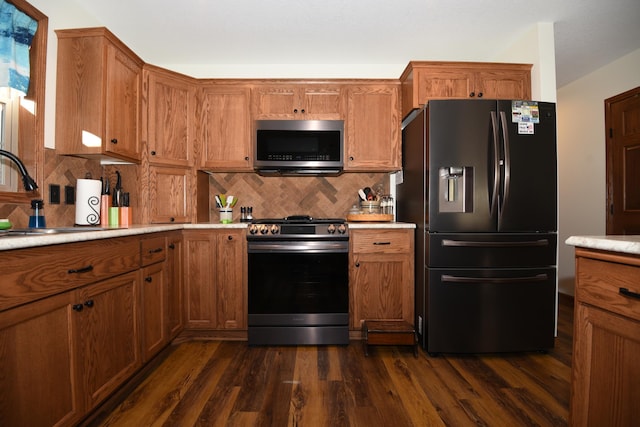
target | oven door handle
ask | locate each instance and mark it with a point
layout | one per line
(298, 247)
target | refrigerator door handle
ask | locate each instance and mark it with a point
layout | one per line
(446, 278)
(507, 164)
(472, 244)
(496, 163)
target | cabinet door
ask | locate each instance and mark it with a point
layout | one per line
(322, 102)
(231, 294)
(381, 276)
(439, 83)
(224, 128)
(38, 377)
(170, 194)
(175, 284)
(277, 102)
(605, 375)
(108, 334)
(122, 105)
(200, 272)
(154, 308)
(169, 112)
(372, 128)
(503, 84)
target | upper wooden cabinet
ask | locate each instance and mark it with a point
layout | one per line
(372, 127)
(298, 101)
(422, 81)
(223, 127)
(99, 84)
(168, 114)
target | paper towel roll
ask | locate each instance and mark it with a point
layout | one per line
(88, 201)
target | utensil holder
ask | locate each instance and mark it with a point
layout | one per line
(226, 215)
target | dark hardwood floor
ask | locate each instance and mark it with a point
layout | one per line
(227, 383)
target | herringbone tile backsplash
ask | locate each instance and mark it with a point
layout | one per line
(277, 197)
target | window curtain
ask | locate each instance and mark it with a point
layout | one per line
(16, 33)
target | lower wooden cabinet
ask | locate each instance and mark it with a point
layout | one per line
(108, 339)
(605, 384)
(381, 275)
(216, 283)
(175, 285)
(39, 378)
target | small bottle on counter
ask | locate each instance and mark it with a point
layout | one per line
(36, 220)
(249, 213)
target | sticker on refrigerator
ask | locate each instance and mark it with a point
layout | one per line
(525, 128)
(525, 112)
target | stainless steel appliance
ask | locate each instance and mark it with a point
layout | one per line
(299, 147)
(298, 283)
(479, 180)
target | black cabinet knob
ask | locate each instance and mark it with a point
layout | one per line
(472, 94)
(357, 264)
(172, 219)
(351, 158)
(153, 153)
(172, 246)
(148, 279)
(295, 111)
(114, 141)
(302, 111)
(88, 303)
(480, 94)
(230, 237)
(77, 307)
(246, 158)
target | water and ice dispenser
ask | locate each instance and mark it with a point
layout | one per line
(455, 189)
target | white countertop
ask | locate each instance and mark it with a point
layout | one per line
(29, 241)
(625, 244)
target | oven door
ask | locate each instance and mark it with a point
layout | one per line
(294, 283)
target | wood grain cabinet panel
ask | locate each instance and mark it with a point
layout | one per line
(175, 285)
(372, 128)
(99, 88)
(216, 283)
(171, 194)
(425, 80)
(381, 276)
(301, 101)
(169, 110)
(223, 132)
(605, 384)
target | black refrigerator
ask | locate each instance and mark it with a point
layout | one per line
(479, 180)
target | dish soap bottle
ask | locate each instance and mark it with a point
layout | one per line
(36, 220)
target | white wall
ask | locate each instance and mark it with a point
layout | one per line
(582, 153)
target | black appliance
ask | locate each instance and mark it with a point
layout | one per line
(299, 147)
(480, 182)
(298, 284)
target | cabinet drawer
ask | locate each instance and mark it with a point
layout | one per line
(381, 241)
(34, 273)
(153, 250)
(600, 284)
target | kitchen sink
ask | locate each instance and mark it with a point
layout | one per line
(47, 231)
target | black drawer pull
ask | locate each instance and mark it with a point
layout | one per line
(155, 251)
(627, 293)
(86, 269)
(381, 243)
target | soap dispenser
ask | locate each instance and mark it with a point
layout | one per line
(36, 220)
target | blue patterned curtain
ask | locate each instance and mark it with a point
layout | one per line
(16, 33)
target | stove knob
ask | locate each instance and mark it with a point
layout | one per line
(275, 229)
(331, 228)
(253, 229)
(264, 229)
(342, 229)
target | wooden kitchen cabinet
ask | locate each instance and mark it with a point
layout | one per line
(372, 128)
(154, 297)
(381, 275)
(223, 127)
(175, 286)
(39, 376)
(299, 101)
(605, 377)
(99, 84)
(423, 80)
(108, 334)
(216, 282)
(168, 114)
(171, 194)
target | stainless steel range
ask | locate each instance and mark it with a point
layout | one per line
(298, 281)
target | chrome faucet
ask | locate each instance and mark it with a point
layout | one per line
(29, 183)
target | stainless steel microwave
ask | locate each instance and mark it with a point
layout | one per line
(299, 147)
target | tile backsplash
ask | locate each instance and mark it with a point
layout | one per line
(277, 197)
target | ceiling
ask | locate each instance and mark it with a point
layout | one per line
(588, 33)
